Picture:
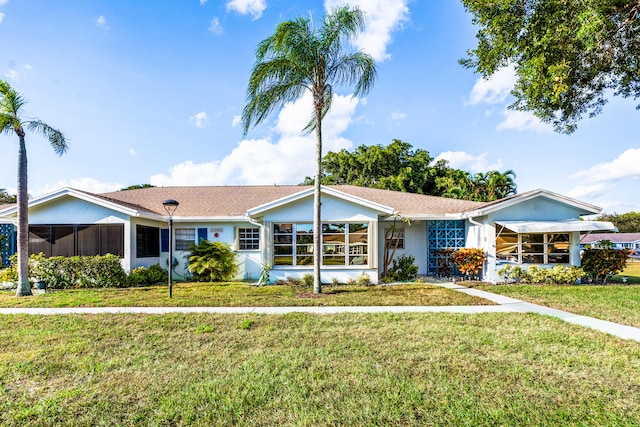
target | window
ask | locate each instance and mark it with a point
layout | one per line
(342, 244)
(248, 239)
(394, 236)
(533, 248)
(147, 241)
(184, 238)
(83, 240)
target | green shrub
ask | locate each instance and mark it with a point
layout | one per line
(307, 280)
(403, 268)
(212, 262)
(148, 276)
(602, 264)
(558, 275)
(363, 280)
(81, 272)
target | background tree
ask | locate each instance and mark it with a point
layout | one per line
(400, 168)
(568, 55)
(627, 223)
(298, 58)
(11, 104)
(6, 198)
(137, 187)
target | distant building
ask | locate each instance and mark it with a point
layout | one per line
(619, 240)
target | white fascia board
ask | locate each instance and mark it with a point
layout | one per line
(427, 217)
(593, 209)
(325, 190)
(207, 218)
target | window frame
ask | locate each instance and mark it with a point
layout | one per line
(533, 248)
(147, 239)
(398, 234)
(292, 244)
(183, 244)
(248, 242)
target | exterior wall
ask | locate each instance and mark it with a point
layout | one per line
(415, 244)
(249, 261)
(538, 209)
(333, 210)
(69, 210)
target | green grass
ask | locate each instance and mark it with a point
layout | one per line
(244, 295)
(301, 369)
(615, 302)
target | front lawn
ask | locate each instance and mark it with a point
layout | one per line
(616, 303)
(299, 369)
(245, 295)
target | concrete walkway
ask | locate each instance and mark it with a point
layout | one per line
(505, 305)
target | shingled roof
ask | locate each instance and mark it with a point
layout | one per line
(225, 201)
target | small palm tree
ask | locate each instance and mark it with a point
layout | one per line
(297, 58)
(11, 104)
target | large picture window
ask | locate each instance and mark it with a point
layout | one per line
(343, 244)
(533, 248)
(79, 239)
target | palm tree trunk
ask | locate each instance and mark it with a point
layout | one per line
(317, 207)
(23, 222)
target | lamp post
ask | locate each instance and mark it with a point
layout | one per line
(170, 206)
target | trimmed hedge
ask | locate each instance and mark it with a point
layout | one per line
(74, 272)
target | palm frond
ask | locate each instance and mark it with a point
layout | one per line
(55, 137)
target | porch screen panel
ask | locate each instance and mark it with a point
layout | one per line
(112, 240)
(63, 241)
(40, 240)
(443, 234)
(88, 240)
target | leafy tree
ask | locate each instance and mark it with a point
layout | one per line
(297, 58)
(568, 55)
(400, 168)
(627, 223)
(11, 104)
(212, 261)
(6, 198)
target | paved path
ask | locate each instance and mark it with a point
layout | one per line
(505, 305)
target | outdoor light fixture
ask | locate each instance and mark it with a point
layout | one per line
(170, 206)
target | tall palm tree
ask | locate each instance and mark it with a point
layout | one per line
(11, 104)
(297, 58)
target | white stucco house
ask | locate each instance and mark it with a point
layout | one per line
(273, 225)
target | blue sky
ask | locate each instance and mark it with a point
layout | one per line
(152, 91)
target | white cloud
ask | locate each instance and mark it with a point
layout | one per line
(102, 22)
(3, 2)
(625, 166)
(248, 7)
(523, 121)
(396, 116)
(284, 157)
(236, 120)
(468, 162)
(495, 89)
(87, 184)
(383, 17)
(1, 17)
(215, 27)
(200, 120)
(202, 2)
(589, 192)
(132, 152)
(11, 74)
